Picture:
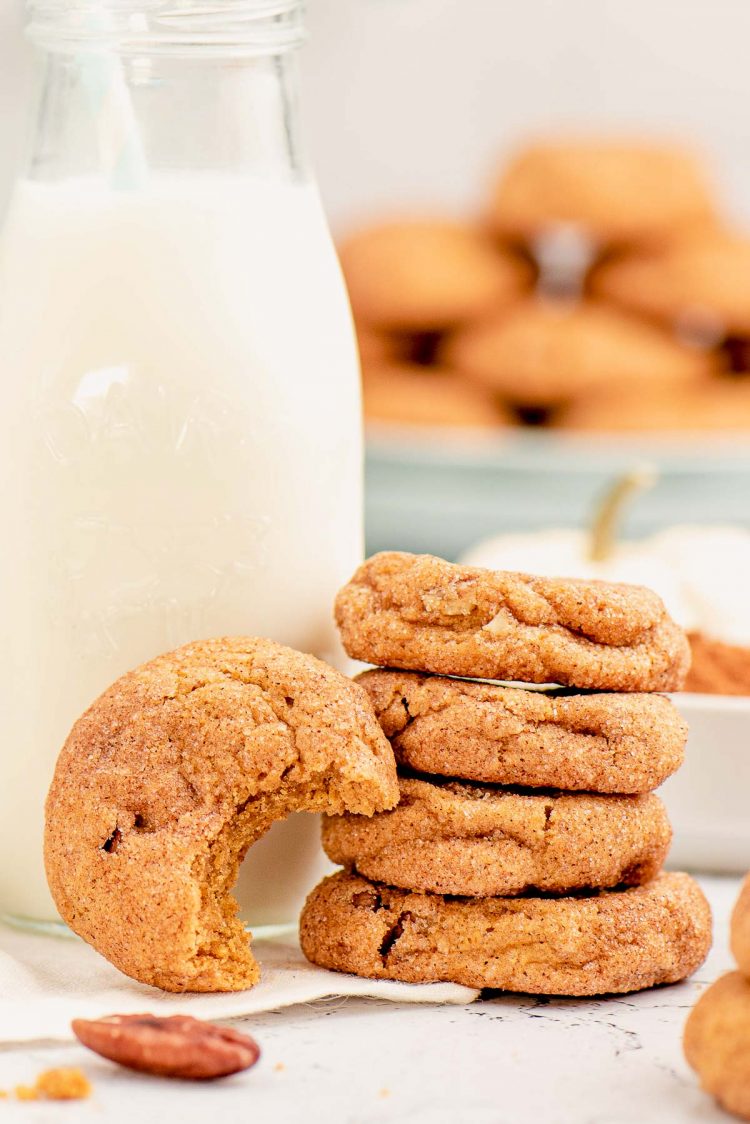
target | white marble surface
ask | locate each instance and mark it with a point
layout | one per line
(501, 1061)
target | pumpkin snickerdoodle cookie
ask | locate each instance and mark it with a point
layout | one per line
(719, 404)
(173, 773)
(609, 743)
(617, 192)
(740, 929)
(425, 614)
(546, 353)
(454, 838)
(614, 941)
(426, 275)
(406, 393)
(717, 1042)
(700, 281)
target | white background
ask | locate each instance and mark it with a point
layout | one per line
(412, 101)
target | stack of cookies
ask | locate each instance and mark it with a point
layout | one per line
(539, 870)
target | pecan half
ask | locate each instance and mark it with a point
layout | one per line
(177, 1046)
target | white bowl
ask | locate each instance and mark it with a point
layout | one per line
(708, 799)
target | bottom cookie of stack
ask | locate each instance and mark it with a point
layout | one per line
(613, 941)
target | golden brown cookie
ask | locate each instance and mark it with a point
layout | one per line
(721, 404)
(717, 1042)
(740, 929)
(427, 275)
(702, 281)
(614, 941)
(173, 773)
(610, 743)
(544, 353)
(425, 614)
(451, 837)
(717, 668)
(376, 348)
(407, 394)
(615, 191)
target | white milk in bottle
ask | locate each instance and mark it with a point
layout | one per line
(180, 449)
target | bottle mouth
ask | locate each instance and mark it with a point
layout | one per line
(229, 28)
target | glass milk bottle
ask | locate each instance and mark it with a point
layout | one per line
(180, 447)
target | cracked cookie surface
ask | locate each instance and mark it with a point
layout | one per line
(614, 941)
(478, 841)
(717, 1042)
(424, 614)
(173, 773)
(606, 743)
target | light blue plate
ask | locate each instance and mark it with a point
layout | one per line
(439, 492)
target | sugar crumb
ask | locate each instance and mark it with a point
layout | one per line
(55, 1085)
(26, 1093)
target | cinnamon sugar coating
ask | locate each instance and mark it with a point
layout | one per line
(478, 841)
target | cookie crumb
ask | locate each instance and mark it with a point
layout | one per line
(55, 1085)
(279, 1067)
(384, 1093)
(63, 1085)
(26, 1093)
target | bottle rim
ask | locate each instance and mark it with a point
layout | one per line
(232, 28)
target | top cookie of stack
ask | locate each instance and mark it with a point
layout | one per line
(539, 870)
(424, 614)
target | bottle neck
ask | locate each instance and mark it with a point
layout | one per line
(188, 28)
(186, 87)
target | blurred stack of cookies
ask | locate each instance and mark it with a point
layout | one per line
(600, 290)
(525, 853)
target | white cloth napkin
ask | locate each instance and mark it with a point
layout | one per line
(47, 981)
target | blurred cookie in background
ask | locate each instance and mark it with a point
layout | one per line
(700, 285)
(378, 347)
(601, 293)
(405, 393)
(721, 404)
(545, 353)
(617, 192)
(426, 275)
